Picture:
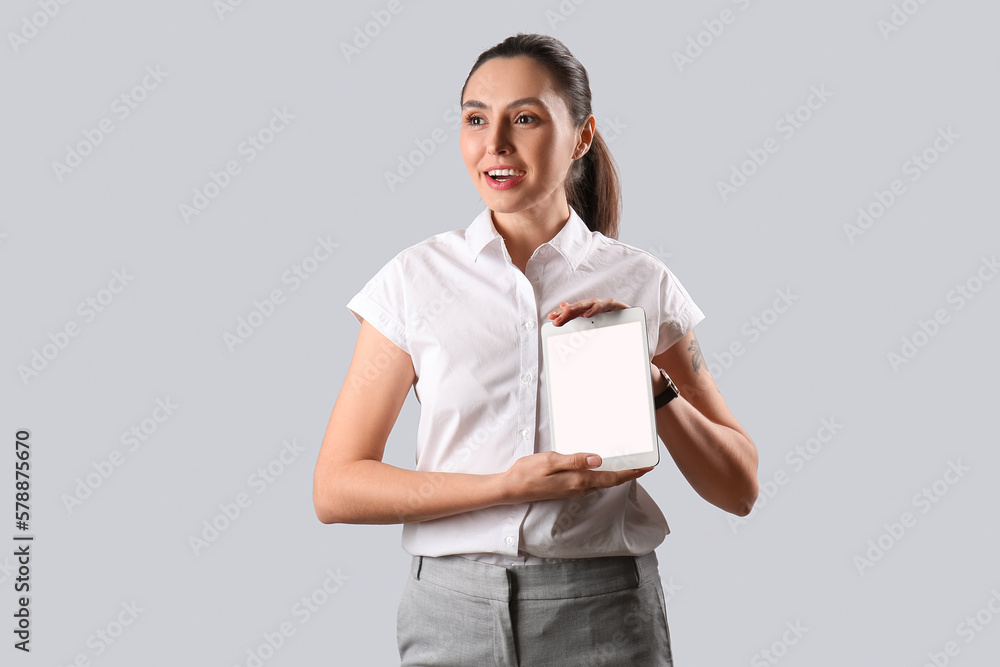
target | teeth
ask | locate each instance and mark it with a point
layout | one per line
(506, 172)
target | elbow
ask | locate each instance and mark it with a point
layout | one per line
(324, 515)
(747, 500)
(328, 514)
(324, 504)
(336, 496)
(323, 512)
(750, 488)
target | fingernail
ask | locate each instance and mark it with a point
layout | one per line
(593, 460)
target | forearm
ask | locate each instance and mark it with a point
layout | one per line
(373, 492)
(719, 462)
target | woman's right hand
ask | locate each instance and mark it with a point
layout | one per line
(549, 475)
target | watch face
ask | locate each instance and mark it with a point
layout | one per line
(671, 387)
(667, 394)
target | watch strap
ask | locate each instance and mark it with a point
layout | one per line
(668, 394)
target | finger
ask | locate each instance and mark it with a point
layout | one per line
(610, 304)
(597, 307)
(615, 478)
(603, 306)
(568, 311)
(578, 306)
(558, 316)
(582, 461)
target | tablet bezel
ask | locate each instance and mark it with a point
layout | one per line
(606, 319)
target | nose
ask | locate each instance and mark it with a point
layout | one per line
(498, 142)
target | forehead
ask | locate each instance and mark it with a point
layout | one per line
(499, 81)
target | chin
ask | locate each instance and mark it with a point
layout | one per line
(501, 205)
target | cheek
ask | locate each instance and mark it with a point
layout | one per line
(547, 162)
(470, 153)
(547, 171)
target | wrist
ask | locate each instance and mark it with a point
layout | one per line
(659, 384)
(669, 392)
(501, 488)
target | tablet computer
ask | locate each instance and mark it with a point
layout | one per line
(600, 393)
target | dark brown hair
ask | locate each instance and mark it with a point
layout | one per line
(593, 188)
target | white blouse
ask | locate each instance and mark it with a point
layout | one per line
(469, 319)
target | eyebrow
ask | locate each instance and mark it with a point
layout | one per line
(524, 101)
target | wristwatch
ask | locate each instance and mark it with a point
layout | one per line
(668, 394)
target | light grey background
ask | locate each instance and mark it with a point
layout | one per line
(675, 131)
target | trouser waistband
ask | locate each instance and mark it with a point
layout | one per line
(546, 581)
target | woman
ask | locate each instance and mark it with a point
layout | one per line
(521, 555)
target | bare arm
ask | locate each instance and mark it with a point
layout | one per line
(711, 449)
(351, 484)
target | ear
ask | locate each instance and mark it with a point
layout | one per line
(585, 137)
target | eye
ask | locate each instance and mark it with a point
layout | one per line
(472, 118)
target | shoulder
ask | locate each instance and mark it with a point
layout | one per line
(653, 280)
(620, 256)
(439, 246)
(423, 263)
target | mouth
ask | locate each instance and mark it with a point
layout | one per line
(504, 179)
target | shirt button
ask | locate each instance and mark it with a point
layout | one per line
(526, 377)
(510, 541)
(535, 278)
(525, 434)
(529, 325)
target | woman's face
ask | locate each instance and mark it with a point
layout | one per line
(512, 116)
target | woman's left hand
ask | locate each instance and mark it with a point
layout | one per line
(586, 308)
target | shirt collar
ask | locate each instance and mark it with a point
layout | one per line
(572, 241)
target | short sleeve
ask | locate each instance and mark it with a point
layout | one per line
(382, 301)
(678, 312)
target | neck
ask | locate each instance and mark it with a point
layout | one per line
(523, 231)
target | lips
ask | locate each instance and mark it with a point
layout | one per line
(506, 176)
(510, 182)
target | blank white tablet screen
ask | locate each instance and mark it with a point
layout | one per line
(599, 392)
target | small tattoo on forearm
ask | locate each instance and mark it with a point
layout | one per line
(697, 360)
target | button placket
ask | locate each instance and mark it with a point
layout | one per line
(526, 308)
(528, 349)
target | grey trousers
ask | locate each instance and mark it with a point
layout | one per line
(593, 611)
